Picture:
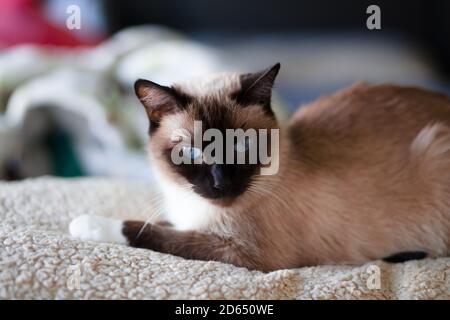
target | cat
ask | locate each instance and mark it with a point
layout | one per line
(364, 174)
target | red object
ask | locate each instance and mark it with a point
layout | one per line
(21, 21)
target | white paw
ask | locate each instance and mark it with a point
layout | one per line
(95, 228)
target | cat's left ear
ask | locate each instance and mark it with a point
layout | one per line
(256, 88)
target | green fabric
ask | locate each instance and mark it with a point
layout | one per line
(62, 154)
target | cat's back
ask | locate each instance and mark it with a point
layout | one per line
(363, 121)
(371, 160)
(375, 100)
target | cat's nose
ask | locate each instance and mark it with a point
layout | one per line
(220, 181)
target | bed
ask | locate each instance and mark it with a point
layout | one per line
(39, 260)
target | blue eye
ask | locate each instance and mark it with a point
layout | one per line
(242, 145)
(192, 152)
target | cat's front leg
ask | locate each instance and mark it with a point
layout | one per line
(99, 229)
(186, 244)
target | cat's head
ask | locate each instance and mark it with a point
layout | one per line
(182, 113)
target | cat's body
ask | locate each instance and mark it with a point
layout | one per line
(363, 174)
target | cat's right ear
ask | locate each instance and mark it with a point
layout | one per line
(158, 100)
(256, 88)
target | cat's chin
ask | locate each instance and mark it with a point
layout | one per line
(217, 199)
(222, 202)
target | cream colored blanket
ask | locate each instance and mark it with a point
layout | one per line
(39, 260)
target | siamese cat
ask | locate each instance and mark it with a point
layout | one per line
(363, 174)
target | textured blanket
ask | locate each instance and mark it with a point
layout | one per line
(39, 260)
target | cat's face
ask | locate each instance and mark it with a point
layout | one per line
(181, 116)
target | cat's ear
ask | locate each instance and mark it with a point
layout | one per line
(158, 100)
(256, 88)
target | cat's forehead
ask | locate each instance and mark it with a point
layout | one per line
(213, 114)
(222, 83)
(211, 100)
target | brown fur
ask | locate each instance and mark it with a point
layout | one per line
(364, 173)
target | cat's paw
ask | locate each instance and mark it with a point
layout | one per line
(99, 229)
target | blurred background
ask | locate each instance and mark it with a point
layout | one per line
(67, 68)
